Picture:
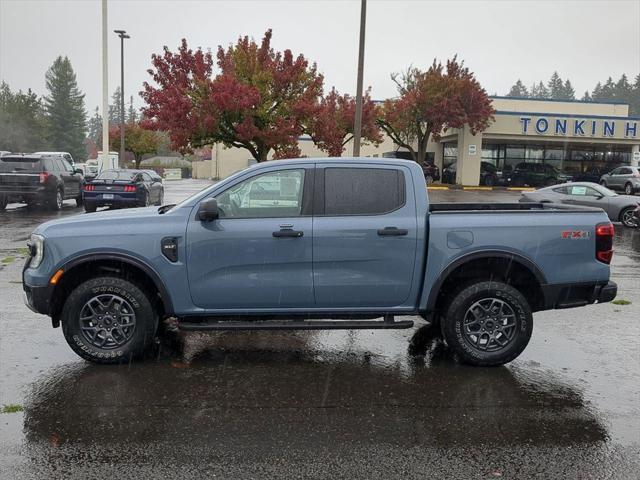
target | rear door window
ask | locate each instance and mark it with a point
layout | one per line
(363, 191)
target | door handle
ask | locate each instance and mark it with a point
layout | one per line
(392, 231)
(288, 233)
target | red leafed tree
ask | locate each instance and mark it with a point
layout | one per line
(260, 100)
(331, 127)
(432, 101)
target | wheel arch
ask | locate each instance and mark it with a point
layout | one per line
(119, 264)
(512, 268)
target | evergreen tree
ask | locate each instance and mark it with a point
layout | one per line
(556, 87)
(568, 93)
(65, 113)
(22, 122)
(623, 91)
(634, 106)
(114, 108)
(586, 97)
(95, 126)
(539, 91)
(518, 90)
(608, 90)
(597, 91)
(132, 113)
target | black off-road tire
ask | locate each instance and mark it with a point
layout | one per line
(79, 200)
(139, 339)
(453, 323)
(3, 202)
(57, 199)
(144, 202)
(160, 199)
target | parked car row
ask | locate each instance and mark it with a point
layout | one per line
(48, 179)
(623, 178)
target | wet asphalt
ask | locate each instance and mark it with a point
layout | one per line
(336, 404)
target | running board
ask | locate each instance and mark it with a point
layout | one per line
(294, 325)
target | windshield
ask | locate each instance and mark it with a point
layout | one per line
(117, 175)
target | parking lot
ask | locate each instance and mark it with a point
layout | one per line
(334, 404)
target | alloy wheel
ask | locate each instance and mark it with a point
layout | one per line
(489, 325)
(107, 321)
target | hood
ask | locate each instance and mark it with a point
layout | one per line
(127, 216)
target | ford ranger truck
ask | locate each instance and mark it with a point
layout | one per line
(318, 244)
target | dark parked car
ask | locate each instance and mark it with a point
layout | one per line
(38, 179)
(623, 178)
(122, 188)
(488, 174)
(155, 176)
(593, 174)
(535, 175)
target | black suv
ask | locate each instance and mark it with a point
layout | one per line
(43, 179)
(535, 175)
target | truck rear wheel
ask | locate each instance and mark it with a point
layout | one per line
(488, 323)
(108, 320)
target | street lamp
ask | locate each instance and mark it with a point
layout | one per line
(122, 34)
(357, 128)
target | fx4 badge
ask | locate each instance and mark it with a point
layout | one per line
(575, 234)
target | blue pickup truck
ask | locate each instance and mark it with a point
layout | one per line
(317, 244)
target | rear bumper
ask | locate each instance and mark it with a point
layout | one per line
(18, 194)
(122, 199)
(578, 294)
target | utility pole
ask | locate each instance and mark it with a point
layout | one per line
(122, 34)
(357, 128)
(105, 89)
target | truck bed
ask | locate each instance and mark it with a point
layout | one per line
(502, 207)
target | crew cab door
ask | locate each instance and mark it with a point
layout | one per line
(257, 254)
(364, 235)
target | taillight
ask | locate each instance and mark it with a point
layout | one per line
(604, 242)
(89, 188)
(129, 188)
(43, 177)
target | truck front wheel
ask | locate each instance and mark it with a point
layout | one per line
(108, 320)
(488, 323)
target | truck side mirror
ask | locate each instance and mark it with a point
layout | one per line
(208, 210)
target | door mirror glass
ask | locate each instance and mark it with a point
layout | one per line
(77, 170)
(208, 210)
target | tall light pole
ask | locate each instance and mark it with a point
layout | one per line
(105, 90)
(122, 34)
(357, 128)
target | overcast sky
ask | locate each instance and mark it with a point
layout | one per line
(501, 41)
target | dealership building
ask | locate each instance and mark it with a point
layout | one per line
(572, 136)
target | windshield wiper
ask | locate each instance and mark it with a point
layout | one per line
(165, 208)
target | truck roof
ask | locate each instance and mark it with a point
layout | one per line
(381, 160)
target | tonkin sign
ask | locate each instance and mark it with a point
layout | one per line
(580, 127)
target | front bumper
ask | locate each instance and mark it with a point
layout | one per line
(38, 299)
(578, 294)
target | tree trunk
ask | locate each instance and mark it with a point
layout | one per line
(137, 159)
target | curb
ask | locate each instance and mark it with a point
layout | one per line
(479, 188)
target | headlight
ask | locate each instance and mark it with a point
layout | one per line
(36, 249)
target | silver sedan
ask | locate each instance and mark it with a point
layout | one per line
(619, 208)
